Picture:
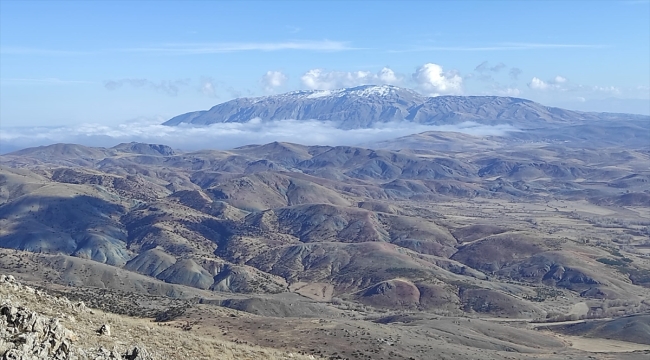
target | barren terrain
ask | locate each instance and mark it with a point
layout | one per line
(347, 252)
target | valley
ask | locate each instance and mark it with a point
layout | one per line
(438, 243)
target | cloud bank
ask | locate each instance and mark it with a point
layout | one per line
(225, 135)
(320, 79)
(562, 84)
(430, 79)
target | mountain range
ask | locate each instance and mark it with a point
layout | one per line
(371, 105)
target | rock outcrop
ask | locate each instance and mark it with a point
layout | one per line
(27, 335)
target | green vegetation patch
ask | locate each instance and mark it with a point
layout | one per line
(464, 285)
(615, 262)
(170, 314)
(542, 294)
(408, 272)
(639, 276)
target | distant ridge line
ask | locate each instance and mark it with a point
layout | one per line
(370, 105)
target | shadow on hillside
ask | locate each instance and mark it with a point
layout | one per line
(82, 225)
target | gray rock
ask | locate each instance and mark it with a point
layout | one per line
(105, 330)
(138, 353)
(27, 335)
(80, 307)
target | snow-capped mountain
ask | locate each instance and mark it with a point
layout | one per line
(369, 105)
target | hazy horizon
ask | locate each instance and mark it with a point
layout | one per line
(229, 135)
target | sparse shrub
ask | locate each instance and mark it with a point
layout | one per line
(407, 272)
(337, 301)
(615, 262)
(542, 294)
(170, 314)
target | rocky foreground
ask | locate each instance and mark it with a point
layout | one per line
(26, 334)
(35, 325)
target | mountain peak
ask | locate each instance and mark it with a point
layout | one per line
(358, 91)
(366, 91)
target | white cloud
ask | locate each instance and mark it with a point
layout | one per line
(503, 47)
(534, 46)
(319, 79)
(562, 84)
(514, 73)
(272, 80)
(208, 87)
(215, 48)
(559, 79)
(226, 135)
(431, 80)
(508, 92)
(388, 76)
(293, 29)
(55, 81)
(538, 84)
(607, 89)
(484, 66)
(554, 84)
(170, 87)
(40, 51)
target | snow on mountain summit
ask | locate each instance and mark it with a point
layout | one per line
(359, 91)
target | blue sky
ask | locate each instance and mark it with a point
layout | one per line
(66, 63)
